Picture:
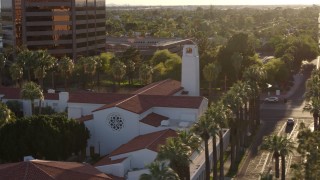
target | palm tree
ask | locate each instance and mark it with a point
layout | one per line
(210, 73)
(201, 128)
(190, 139)
(280, 146)
(118, 70)
(312, 85)
(219, 114)
(87, 68)
(6, 115)
(32, 91)
(131, 66)
(66, 67)
(314, 109)
(159, 171)
(44, 62)
(16, 72)
(3, 60)
(286, 149)
(178, 154)
(25, 59)
(254, 76)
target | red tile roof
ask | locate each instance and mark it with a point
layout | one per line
(96, 98)
(14, 93)
(166, 88)
(151, 141)
(153, 119)
(38, 169)
(140, 103)
(85, 118)
(10, 93)
(51, 96)
(107, 161)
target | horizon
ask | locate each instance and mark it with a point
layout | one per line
(215, 2)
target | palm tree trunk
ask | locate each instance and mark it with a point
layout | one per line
(241, 128)
(52, 80)
(283, 167)
(32, 107)
(257, 104)
(221, 155)
(210, 95)
(276, 165)
(232, 154)
(29, 75)
(214, 157)
(237, 136)
(40, 106)
(182, 171)
(207, 161)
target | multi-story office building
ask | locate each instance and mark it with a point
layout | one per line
(63, 27)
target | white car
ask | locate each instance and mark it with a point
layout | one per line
(271, 99)
(290, 121)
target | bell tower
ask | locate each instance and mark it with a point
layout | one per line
(190, 78)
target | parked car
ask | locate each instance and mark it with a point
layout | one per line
(290, 121)
(271, 99)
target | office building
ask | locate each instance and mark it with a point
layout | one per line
(63, 27)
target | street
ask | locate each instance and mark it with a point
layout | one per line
(273, 121)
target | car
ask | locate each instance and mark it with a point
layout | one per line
(271, 99)
(290, 121)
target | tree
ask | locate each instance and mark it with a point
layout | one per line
(286, 149)
(53, 137)
(66, 67)
(201, 128)
(86, 66)
(43, 62)
(314, 109)
(25, 59)
(3, 60)
(145, 74)
(219, 115)
(16, 72)
(178, 154)
(254, 76)
(159, 171)
(236, 60)
(32, 91)
(6, 115)
(211, 72)
(280, 146)
(118, 70)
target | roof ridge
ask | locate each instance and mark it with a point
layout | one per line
(161, 82)
(166, 130)
(34, 164)
(125, 100)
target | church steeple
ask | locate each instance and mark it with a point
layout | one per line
(190, 78)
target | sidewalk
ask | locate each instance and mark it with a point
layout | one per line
(298, 80)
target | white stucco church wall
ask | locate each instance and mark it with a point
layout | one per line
(114, 127)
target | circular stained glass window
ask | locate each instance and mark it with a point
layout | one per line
(115, 121)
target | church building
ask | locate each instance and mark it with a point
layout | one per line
(128, 129)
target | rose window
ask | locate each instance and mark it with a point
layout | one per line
(115, 121)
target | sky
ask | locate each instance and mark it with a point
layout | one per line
(212, 2)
